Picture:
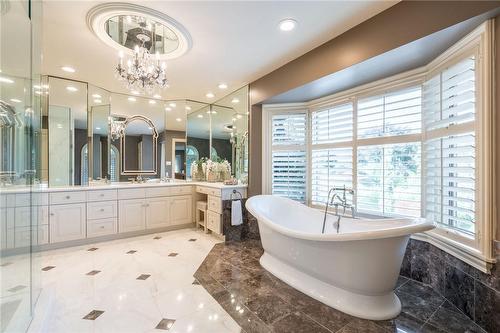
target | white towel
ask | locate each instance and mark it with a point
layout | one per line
(236, 213)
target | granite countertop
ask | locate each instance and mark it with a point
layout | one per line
(112, 186)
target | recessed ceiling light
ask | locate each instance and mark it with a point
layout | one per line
(235, 100)
(210, 95)
(200, 116)
(98, 101)
(222, 86)
(15, 100)
(150, 127)
(71, 88)
(287, 25)
(178, 119)
(37, 87)
(134, 92)
(157, 96)
(96, 96)
(68, 69)
(168, 109)
(132, 99)
(188, 108)
(152, 101)
(97, 128)
(5, 80)
(173, 105)
(239, 116)
(38, 92)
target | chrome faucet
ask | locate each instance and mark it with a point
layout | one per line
(342, 201)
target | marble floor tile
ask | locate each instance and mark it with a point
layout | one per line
(165, 291)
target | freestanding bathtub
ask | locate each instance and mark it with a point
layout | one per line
(354, 271)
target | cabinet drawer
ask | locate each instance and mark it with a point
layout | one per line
(101, 227)
(133, 193)
(102, 210)
(61, 198)
(214, 222)
(180, 190)
(157, 192)
(35, 199)
(208, 190)
(215, 204)
(102, 195)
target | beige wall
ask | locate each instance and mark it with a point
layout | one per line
(396, 26)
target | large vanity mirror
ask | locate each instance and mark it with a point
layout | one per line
(99, 154)
(64, 141)
(230, 131)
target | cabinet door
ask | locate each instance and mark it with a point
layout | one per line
(157, 212)
(181, 210)
(131, 215)
(67, 222)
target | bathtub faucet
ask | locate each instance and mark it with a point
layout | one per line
(342, 201)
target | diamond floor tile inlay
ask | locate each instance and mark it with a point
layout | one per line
(173, 254)
(92, 249)
(131, 252)
(165, 324)
(93, 315)
(91, 273)
(48, 268)
(143, 276)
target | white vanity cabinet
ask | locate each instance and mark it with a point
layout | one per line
(68, 222)
(102, 213)
(157, 212)
(181, 209)
(132, 215)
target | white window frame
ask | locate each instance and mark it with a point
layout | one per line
(268, 111)
(480, 252)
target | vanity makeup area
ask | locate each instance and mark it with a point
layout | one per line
(115, 165)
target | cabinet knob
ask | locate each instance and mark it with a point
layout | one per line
(51, 214)
(102, 227)
(102, 194)
(68, 197)
(102, 209)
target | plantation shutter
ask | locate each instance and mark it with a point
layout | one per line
(449, 100)
(332, 125)
(390, 114)
(289, 158)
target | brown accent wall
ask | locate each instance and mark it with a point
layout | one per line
(255, 151)
(401, 24)
(496, 131)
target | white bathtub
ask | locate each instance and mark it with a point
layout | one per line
(354, 271)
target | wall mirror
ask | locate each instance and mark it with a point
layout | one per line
(64, 133)
(99, 151)
(198, 136)
(143, 124)
(230, 131)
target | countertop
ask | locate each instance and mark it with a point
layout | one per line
(112, 186)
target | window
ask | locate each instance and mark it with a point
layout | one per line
(450, 108)
(289, 160)
(191, 156)
(416, 144)
(114, 164)
(84, 165)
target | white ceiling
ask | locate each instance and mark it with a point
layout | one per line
(233, 42)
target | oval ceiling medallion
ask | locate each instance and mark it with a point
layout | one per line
(124, 26)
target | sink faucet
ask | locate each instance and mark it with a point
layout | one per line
(342, 201)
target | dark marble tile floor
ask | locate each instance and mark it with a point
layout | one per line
(259, 302)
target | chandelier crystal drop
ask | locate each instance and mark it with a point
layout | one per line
(142, 71)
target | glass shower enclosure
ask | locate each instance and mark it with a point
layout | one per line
(20, 124)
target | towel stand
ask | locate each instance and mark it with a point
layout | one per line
(235, 194)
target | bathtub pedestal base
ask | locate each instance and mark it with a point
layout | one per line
(380, 307)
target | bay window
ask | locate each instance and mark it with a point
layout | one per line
(416, 144)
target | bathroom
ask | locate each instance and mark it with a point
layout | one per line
(173, 166)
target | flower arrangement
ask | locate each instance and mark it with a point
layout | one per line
(212, 171)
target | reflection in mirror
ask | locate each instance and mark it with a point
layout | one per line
(174, 165)
(139, 153)
(66, 141)
(138, 146)
(198, 136)
(230, 131)
(102, 166)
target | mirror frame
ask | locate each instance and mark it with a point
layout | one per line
(125, 172)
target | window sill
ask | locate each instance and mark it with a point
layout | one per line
(460, 251)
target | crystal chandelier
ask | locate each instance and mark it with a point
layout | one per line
(142, 72)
